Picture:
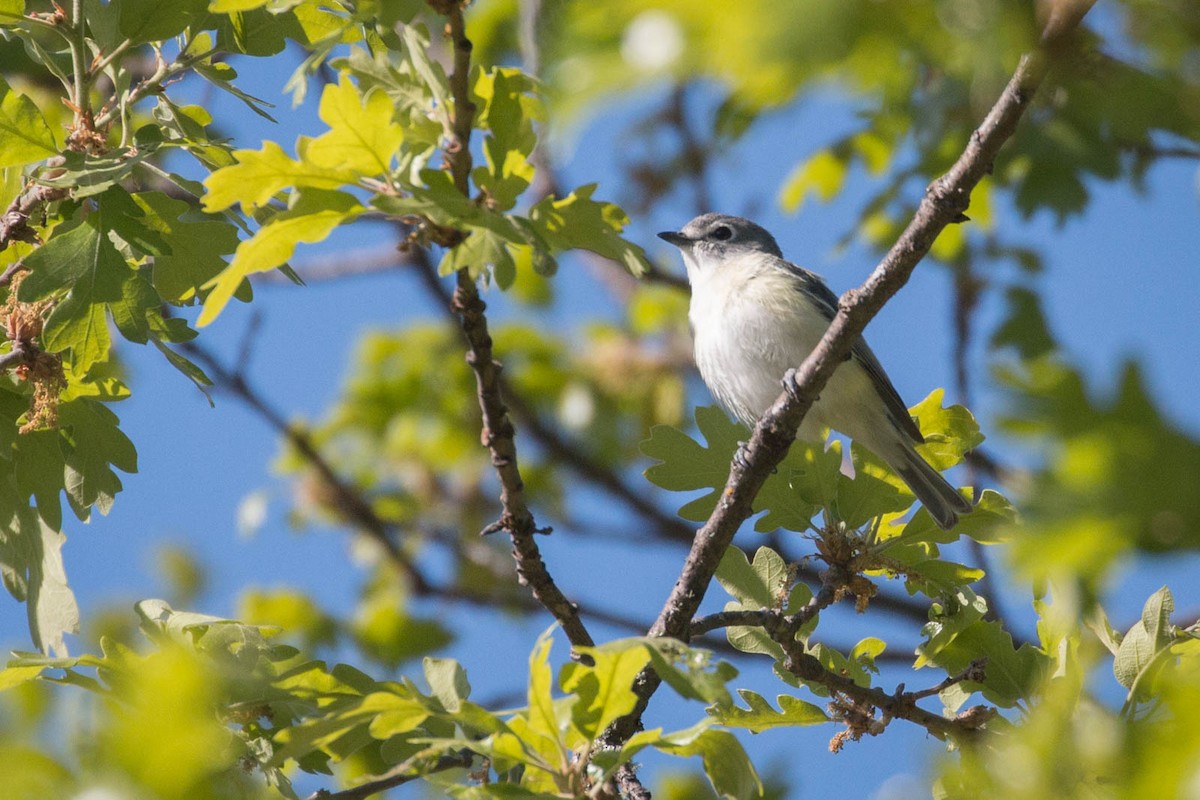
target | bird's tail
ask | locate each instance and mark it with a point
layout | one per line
(944, 503)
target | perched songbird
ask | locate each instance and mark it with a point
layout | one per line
(754, 316)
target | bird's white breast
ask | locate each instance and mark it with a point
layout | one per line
(751, 324)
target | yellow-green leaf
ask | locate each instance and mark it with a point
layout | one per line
(604, 688)
(259, 174)
(24, 135)
(362, 136)
(310, 220)
(822, 174)
(542, 717)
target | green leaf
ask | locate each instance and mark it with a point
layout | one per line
(758, 585)
(87, 175)
(507, 109)
(221, 75)
(259, 31)
(416, 54)
(12, 677)
(196, 242)
(816, 475)
(579, 222)
(230, 6)
(83, 258)
(806, 480)
(340, 731)
(949, 432)
(312, 218)
(760, 716)
(37, 465)
(448, 681)
(156, 20)
(1011, 674)
(947, 619)
(725, 763)
(752, 638)
(1025, 328)
(94, 446)
(24, 135)
(687, 465)
(690, 671)
(480, 251)
(50, 603)
(989, 523)
(1144, 641)
(872, 492)
(392, 714)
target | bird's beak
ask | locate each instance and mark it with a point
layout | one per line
(675, 238)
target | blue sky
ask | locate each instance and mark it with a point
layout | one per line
(1119, 284)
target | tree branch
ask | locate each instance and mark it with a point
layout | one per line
(498, 431)
(356, 509)
(900, 705)
(14, 225)
(944, 203)
(967, 291)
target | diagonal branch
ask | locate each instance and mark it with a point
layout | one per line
(349, 501)
(498, 431)
(354, 505)
(943, 204)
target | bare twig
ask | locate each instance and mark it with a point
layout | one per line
(558, 446)
(20, 354)
(498, 432)
(14, 225)
(967, 290)
(975, 672)
(944, 203)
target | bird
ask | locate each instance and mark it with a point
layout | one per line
(755, 315)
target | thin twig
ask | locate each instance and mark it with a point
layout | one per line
(975, 673)
(14, 225)
(967, 291)
(498, 433)
(557, 445)
(349, 502)
(945, 201)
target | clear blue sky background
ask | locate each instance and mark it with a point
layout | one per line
(1120, 283)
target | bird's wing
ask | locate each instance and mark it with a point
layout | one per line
(827, 302)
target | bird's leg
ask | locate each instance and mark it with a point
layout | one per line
(740, 456)
(792, 386)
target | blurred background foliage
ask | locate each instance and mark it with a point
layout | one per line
(1100, 475)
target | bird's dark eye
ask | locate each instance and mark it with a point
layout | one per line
(722, 234)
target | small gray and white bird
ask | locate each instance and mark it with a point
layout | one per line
(754, 316)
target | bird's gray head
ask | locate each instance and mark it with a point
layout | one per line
(711, 239)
